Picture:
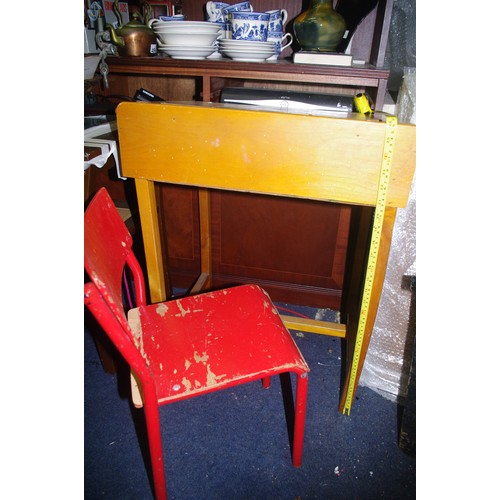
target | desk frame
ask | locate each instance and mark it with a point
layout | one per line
(213, 146)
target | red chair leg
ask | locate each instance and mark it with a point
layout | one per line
(300, 419)
(152, 415)
(266, 382)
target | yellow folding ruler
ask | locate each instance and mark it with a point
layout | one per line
(378, 220)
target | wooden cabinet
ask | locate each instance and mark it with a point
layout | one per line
(281, 244)
(179, 80)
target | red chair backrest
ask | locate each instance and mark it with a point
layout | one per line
(107, 253)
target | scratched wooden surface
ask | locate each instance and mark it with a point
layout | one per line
(312, 157)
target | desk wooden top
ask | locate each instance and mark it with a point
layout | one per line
(251, 150)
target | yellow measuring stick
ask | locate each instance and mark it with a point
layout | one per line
(385, 172)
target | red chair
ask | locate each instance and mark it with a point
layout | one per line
(185, 347)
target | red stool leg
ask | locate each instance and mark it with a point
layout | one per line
(266, 382)
(300, 419)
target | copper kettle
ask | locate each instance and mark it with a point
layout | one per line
(133, 39)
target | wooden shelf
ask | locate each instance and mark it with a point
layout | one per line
(282, 70)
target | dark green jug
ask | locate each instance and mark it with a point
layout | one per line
(320, 28)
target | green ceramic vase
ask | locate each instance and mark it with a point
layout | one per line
(320, 28)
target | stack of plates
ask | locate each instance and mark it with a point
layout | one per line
(246, 51)
(194, 52)
(186, 39)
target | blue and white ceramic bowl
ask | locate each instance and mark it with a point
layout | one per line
(249, 25)
(176, 17)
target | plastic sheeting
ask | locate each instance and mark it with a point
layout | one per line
(386, 367)
(401, 50)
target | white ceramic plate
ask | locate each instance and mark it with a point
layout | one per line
(250, 59)
(187, 52)
(249, 47)
(203, 45)
(258, 53)
(247, 56)
(187, 39)
(256, 49)
(190, 24)
(186, 31)
(180, 29)
(190, 48)
(247, 51)
(244, 43)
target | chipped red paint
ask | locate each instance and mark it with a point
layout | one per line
(203, 344)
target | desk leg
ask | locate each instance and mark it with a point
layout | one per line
(351, 333)
(205, 279)
(146, 199)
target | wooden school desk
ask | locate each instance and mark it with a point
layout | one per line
(212, 146)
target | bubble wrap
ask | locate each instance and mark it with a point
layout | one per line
(389, 354)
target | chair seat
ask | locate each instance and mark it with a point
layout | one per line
(241, 320)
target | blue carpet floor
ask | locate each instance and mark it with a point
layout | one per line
(234, 444)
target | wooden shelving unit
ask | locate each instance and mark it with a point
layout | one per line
(211, 75)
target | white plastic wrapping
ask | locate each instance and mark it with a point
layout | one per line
(389, 354)
(406, 106)
(108, 147)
